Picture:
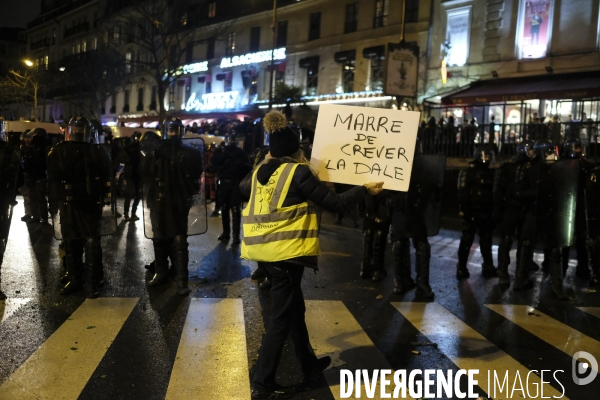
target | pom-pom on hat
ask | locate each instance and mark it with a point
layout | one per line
(284, 140)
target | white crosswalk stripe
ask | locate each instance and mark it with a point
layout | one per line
(211, 358)
(61, 367)
(468, 349)
(9, 306)
(559, 335)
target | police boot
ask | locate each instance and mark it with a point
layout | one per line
(504, 260)
(365, 266)
(236, 220)
(522, 271)
(180, 261)
(75, 284)
(226, 221)
(403, 282)
(556, 274)
(464, 248)
(378, 260)
(423, 256)
(161, 265)
(485, 247)
(92, 262)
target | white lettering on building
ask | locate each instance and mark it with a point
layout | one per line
(212, 101)
(253, 58)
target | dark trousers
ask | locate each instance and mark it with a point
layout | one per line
(485, 227)
(37, 199)
(287, 319)
(134, 190)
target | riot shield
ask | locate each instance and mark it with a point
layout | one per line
(174, 196)
(425, 191)
(556, 204)
(592, 199)
(10, 160)
(81, 191)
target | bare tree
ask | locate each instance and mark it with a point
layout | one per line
(87, 80)
(21, 86)
(162, 35)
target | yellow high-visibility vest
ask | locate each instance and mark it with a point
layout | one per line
(276, 233)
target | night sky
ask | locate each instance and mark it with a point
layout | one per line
(18, 12)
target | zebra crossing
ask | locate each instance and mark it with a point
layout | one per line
(212, 354)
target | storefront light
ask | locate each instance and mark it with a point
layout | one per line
(212, 101)
(254, 58)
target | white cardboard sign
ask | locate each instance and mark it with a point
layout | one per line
(357, 145)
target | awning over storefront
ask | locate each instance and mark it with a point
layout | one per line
(374, 52)
(345, 56)
(580, 85)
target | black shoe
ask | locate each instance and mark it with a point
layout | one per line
(275, 394)
(215, 213)
(320, 366)
(150, 267)
(488, 271)
(365, 273)
(266, 284)
(2, 295)
(401, 287)
(183, 291)
(379, 275)
(223, 237)
(26, 218)
(257, 275)
(462, 273)
(236, 240)
(71, 287)
(503, 278)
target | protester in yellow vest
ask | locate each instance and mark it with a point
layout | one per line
(281, 230)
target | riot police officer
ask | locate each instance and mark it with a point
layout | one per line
(573, 149)
(592, 193)
(475, 198)
(132, 177)
(81, 203)
(232, 166)
(416, 214)
(34, 165)
(548, 189)
(10, 163)
(509, 214)
(173, 207)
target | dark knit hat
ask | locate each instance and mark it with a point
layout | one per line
(284, 140)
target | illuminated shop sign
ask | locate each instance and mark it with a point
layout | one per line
(253, 58)
(212, 101)
(192, 68)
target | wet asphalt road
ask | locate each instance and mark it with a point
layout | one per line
(139, 362)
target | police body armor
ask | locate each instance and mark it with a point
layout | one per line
(81, 191)
(173, 188)
(475, 191)
(10, 162)
(555, 203)
(417, 212)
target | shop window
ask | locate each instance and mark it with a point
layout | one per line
(282, 28)
(381, 13)
(534, 28)
(126, 101)
(230, 44)
(254, 39)
(208, 87)
(117, 35)
(348, 76)
(253, 90)
(376, 71)
(128, 57)
(279, 76)
(351, 18)
(314, 27)
(456, 48)
(113, 103)
(227, 83)
(312, 80)
(140, 102)
(153, 97)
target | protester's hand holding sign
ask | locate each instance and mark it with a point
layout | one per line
(356, 145)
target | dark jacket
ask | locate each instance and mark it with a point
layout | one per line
(306, 186)
(475, 191)
(34, 159)
(231, 164)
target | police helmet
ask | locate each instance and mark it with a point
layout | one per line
(80, 130)
(26, 135)
(172, 128)
(526, 148)
(97, 131)
(38, 132)
(484, 154)
(545, 149)
(136, 136)
(149, 135)
(231, 138)
(573, 148)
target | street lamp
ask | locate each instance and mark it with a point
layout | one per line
(29, 63)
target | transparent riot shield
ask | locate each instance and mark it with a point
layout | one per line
(556, 204)
(81, 191)
(426, 188)
(10, 160)
(174, 196)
